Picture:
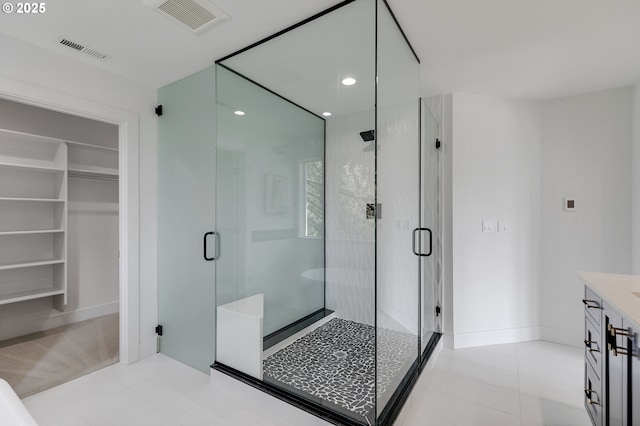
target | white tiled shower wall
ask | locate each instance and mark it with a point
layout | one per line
(350, 248)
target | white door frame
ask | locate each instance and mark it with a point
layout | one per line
(129, 205)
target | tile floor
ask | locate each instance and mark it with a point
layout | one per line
(524, 384)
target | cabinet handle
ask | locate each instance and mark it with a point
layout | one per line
(588, 344)
(591, 304)
(588, 393)
(617, 351)
(617, 331)
(612, 345)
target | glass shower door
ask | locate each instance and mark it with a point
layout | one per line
(398, 220)
(430, 266)
(186, 154)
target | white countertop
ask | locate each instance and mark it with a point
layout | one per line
(618, 291)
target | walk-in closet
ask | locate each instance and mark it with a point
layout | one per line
(59, 315)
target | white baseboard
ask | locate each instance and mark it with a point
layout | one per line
(492, 337)
(447, 339)
(562, 336)
(36, 324)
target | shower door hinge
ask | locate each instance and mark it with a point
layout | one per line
(374, 211)
(438, 143)
(158, 110)
(159, 330)
(438, 310)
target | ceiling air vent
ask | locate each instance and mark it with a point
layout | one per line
(82, 49)
(197, 15)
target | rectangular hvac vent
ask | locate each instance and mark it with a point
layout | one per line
(94, 53)
(83, 49)
(188, 12)
(196, 15)
(71, 44)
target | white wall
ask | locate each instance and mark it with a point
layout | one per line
(635, 186)
(586, 153)
(495, 148)
(92, 244)
(26, 65)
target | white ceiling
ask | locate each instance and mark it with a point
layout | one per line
(535, 49)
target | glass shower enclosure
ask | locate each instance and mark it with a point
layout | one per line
(317, 162)
(323, 250)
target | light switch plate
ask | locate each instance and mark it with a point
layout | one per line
(569, 204)
(489, 226)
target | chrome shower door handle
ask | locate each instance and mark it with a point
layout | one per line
(204, 249)
(415, 231)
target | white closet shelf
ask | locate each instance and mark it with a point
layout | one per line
(41, 138)
(30, 264)
(31, 167)
(32, 136)
(29, 295)
(38, 200)
(32, 231)
(90, 146)
(101, 172)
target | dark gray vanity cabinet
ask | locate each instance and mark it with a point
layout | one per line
(594, 347)
(612, 365)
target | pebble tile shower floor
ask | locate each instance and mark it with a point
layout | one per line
(336, 361)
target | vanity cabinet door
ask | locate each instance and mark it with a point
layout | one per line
(593, 346)
(615, 369)
(592, 305)
(593, 398)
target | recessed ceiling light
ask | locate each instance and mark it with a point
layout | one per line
(326, 114)
(238, 112)
(349, 81)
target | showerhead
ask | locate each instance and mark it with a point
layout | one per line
(368, 135)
